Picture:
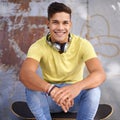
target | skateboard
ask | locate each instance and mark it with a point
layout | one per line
(21, 110)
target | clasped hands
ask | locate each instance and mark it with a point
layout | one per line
(63, 97)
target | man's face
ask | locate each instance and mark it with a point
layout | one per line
(59, 26)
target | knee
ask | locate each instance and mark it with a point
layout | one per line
(32, 95)
(96, 91)
(29, 92)
(95, 94)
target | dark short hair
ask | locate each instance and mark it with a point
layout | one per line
(56, 7)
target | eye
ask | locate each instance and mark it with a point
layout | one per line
(55, 22)
(66, 22)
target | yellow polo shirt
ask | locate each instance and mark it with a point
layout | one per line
(66, 67)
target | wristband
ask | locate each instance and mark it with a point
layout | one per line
(50, 89)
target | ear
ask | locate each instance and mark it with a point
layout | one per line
(48, 24)
(71, 24)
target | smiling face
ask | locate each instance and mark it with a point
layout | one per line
(59, 25)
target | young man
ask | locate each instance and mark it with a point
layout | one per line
(62, 56)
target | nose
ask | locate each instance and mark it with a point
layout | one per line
(60, 26)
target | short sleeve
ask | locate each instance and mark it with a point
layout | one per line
(34, 52)
(88, 50)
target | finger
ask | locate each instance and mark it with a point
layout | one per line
(61, 91)
(64, 97)
(59, 97)
(69, 102)
(66, 104)
(64, 107)
(72, 102)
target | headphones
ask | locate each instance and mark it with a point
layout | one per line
(57, 46)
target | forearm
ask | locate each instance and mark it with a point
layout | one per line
(93, 80)
(32, 81)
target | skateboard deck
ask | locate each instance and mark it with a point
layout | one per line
(21, 110)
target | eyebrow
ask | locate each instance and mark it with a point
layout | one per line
(58, 20)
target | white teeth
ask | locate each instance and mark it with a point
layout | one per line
(60, 33)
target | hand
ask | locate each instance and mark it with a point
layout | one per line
(65, 104)
(66, 93)
(69, 91)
